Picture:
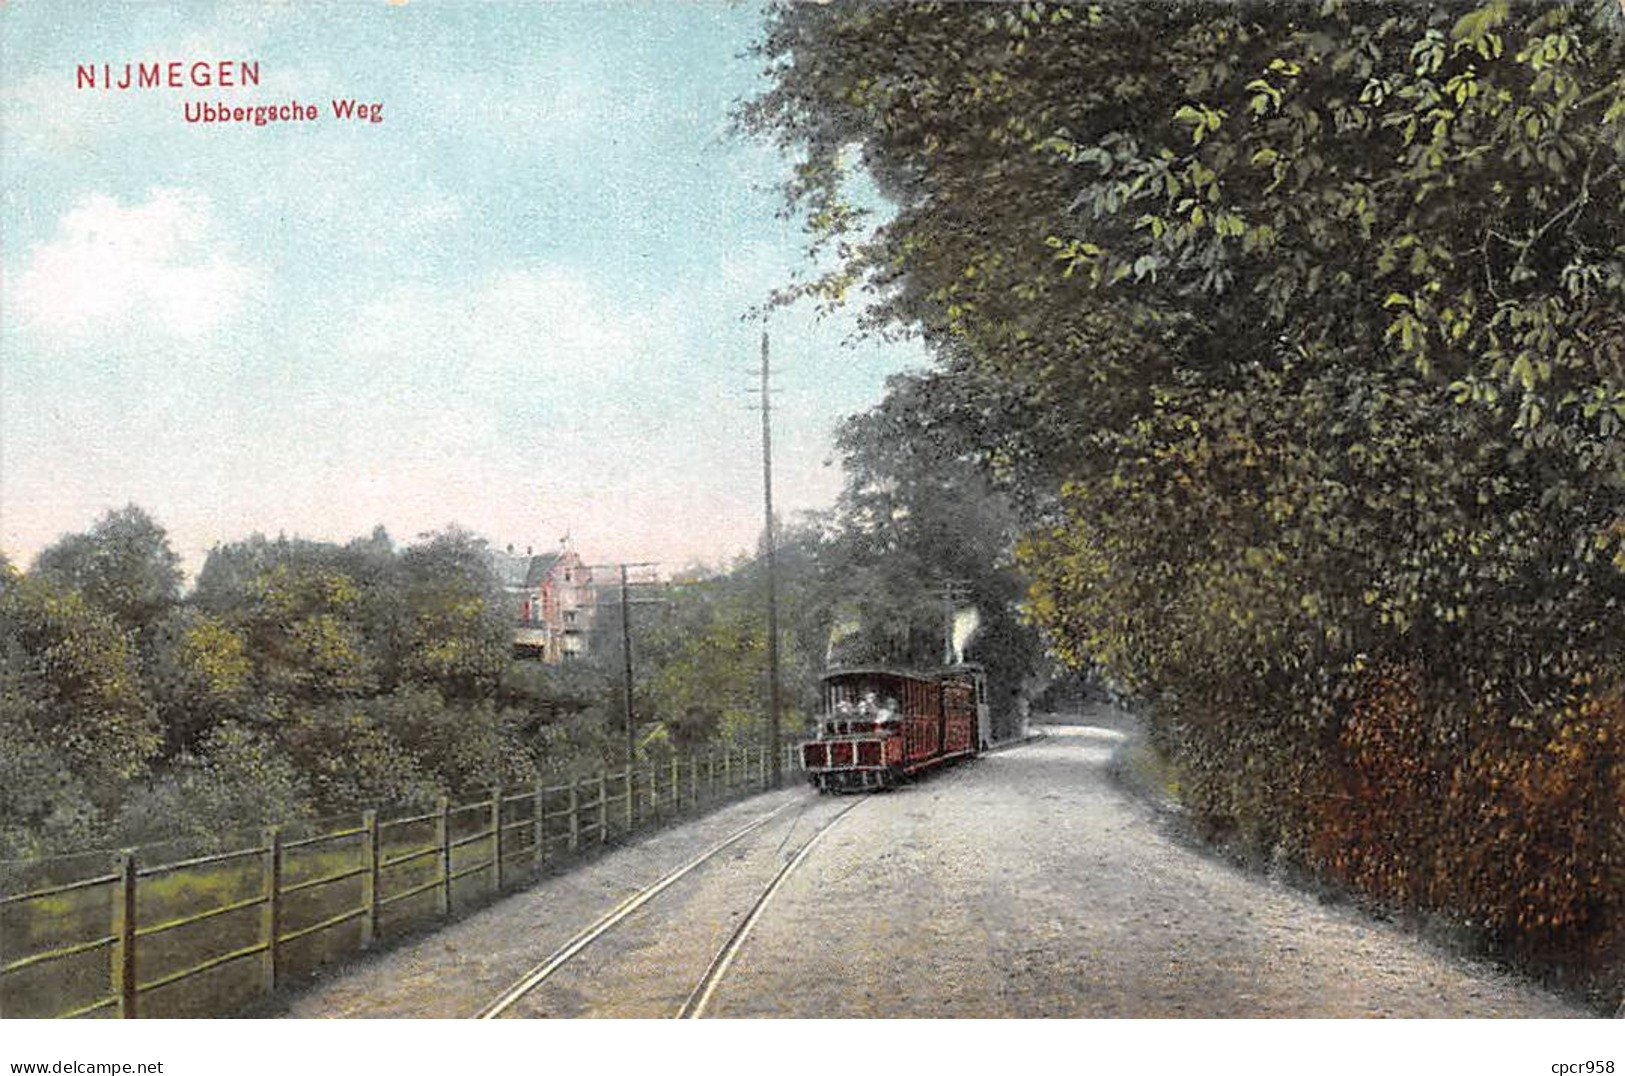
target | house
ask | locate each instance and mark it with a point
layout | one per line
(551, 600)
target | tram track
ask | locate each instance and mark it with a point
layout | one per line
(1036, 886)
(700, 997)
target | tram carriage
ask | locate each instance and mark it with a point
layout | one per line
(880, 725)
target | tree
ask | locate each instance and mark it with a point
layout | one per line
(319, 620)
(455, 633)
(300, 676)
(201, 675)
(702, 658)
(122, 565)
(1295, 331)
(304, 628)
(1340, 252)
(74, 721)
(920, 524)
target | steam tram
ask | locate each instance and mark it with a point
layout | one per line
(878, 725)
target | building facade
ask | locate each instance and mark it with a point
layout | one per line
(551, 600)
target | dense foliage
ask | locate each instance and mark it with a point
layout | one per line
(298, 678)
(59, 655)
(702, 653)
(1295, 332)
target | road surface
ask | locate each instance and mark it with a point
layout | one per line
(1023, 884)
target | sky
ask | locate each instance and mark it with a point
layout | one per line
(518, 303)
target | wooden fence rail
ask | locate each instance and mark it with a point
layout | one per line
(391, 862)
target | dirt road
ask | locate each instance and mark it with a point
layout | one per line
(1023, 884)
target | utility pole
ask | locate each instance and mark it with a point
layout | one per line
(776, 773)
(626, 660)
(626, 651)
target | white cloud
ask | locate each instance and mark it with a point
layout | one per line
(159, 268)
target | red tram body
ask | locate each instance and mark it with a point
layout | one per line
(881, 725)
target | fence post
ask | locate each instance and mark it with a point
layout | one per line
(538, 829)
(575, 816)
(603, 806)
(443, 835)
(496, 840)
(125, 987)
(727, 768)
(631, 812)
(693, 780)
(676, 784)
(369, 881)
(271, 917)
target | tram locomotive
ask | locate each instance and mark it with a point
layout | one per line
(878, 726)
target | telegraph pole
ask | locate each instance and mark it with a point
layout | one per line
(776, 773)
(626, 651)
(626, 660)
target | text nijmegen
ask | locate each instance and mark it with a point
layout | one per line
(167, 74)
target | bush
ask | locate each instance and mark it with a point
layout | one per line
(242, 781)
(1515, 827)
(467, 748)
(44, 808)
(351, 758)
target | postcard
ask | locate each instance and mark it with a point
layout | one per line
(834, 513)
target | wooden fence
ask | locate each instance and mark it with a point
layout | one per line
(127, 943)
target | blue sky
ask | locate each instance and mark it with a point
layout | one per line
(515, 304)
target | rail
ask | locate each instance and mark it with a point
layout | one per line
(355, 874)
